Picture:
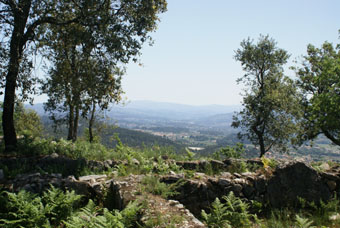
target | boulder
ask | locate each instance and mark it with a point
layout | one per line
(294, 180)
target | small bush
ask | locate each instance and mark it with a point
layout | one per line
(236, 151)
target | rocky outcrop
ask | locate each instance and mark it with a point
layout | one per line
(200, 191)
(297, 180)
(283, 187)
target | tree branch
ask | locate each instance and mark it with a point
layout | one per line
(29, 34)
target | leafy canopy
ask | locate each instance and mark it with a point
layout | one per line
(270, 101)
(319, 79)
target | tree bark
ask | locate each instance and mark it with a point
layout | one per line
(262, 147)
(70, 123)
(16, 51)
(91, 122)
(75, 124)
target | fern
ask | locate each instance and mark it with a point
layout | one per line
(237, 211)
(59, 205)
(130, 214)
(218, 217)
(232, 213)
(303, 222)
(22, 210)
(93, 217)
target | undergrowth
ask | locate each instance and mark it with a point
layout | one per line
(56, 208)
(232, 211)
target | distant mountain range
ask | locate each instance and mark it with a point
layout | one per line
(137, 114)
(173, 111)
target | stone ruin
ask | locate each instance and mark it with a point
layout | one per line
(278, 188)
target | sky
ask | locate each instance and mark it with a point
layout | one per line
(192, 58)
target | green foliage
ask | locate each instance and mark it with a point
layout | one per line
(232, 213)
(239, 167)
(189, 154)
(83, 71)
(27, 122)
(80, 149)
(59, 209)
(93, 216)
(323, 212)
(319, 79)
(218, 217)
(271, 101)
(22, 210)
(153, 185)
(89, 217)
(303, 222)
(230, 151)
(269, 163)
(25, 209)
(59, 205)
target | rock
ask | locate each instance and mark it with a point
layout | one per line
(217, 165)
(330, 176)
(189, 165)
(135, 162)
(294, 180)
(165, 157)
(248, 191)
(240, 181)
(331, 185)
(172, 172)
(325, 166)
(260, 185)
(237, 189)
(334, 217)
(226, 175)
(224, 182)
(92, 178)
(237, 175)
(54, 155)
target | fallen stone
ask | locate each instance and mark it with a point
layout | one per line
(92, 177)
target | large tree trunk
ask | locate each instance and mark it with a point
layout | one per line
(91, 122)
(70, 123)
(16, 51)
(10, 136)
(75, 124)
(262, 147)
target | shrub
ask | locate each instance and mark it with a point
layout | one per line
(236, 151)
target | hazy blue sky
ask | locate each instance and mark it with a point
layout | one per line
(191, 61)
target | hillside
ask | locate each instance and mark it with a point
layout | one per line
(154, 123)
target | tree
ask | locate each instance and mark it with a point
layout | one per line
(85, 73)
(25, 22)
(21, 23)
(270, 103)
(319, 79)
